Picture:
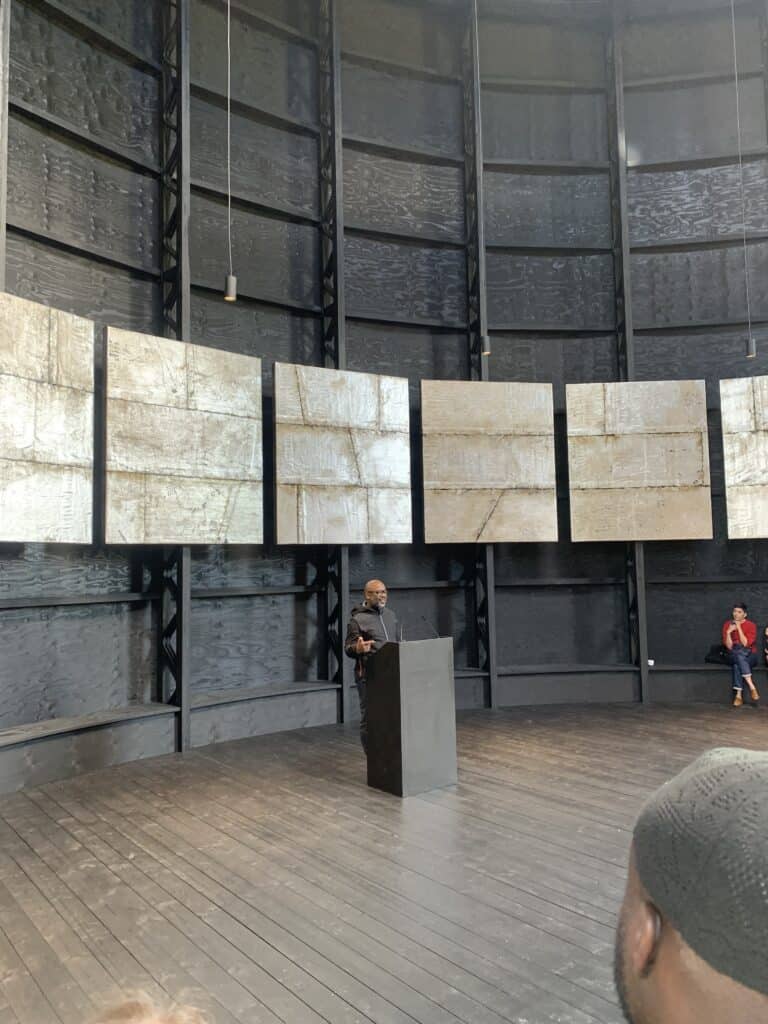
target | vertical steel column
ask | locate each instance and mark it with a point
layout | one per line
(625, 340)
(477, 321)
(173, 664)
(175, 571)
(5, 49)
(176, 169)
(335, 577)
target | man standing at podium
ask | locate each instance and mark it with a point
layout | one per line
(371, 626)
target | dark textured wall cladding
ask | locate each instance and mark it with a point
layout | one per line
(560, 126)
(68, 193)
(138, 25)
(291, 273)
(422, 35)
(699, 46)
(541, 52)
(404, 282)
(699, 286)
(551, 291)
(386, 194)
(428, 113)
(269, 165)
(75, 283)
(590, 626)
(250, 642)
(270, 72)
(547, 209)
(71, 661)
(678, 123)
(697, 203)
(55, 71)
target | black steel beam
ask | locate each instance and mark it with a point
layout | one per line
(174, 666)
(617, 146)
(5, 37)
(477, 321)
(175, 178)
(333, 564)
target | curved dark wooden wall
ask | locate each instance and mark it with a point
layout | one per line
(84, 222)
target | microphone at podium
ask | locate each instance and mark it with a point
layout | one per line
(430, 627)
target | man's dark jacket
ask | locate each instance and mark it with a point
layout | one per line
(377, 624)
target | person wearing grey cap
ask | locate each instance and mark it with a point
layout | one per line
(692, 938)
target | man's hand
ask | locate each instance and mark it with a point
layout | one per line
(363, 646)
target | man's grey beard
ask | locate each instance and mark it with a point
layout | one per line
(619, 974)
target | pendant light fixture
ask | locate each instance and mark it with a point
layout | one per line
(230, 284)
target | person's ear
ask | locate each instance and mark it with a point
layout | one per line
(644, 938)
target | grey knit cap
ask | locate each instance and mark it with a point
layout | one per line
(701, 849)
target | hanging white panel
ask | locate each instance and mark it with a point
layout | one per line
(184, 443)
(46, 424)
(342, 443)
(489, 462)
(638, 461)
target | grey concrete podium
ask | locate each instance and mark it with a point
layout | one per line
(412, 717)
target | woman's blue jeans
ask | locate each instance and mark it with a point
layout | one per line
(742, 661)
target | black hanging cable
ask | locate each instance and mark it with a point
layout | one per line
(230, 285)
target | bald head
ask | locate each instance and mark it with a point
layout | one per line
(691, 941)
(375, 594)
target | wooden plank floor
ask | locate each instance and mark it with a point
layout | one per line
(264, 882)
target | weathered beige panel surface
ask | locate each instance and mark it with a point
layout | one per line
(489, 462)
(342, 457)
(651, 513)
(747, 512)
(474, 461)
(744, 410)
(452, 515)
(638, 460)
(46, 424)
(184, 443)
(472, 407)
(43, 504)
(176, 510)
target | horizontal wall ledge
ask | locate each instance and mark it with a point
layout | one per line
(451, 326)
(545, 166)
(699, 160)
(387, 64)
(281, 210)
(564, 581)
(565, 669)
(67, 128)
(22, 734)
(253, 111)
(708, 667)
(694, 581)
(504, 83)
(101, 37)
(409, 238)
(687, 244)
(223, 593)
(697, 325)
(562, 329)
(217, 698)
(18, 603)
(93, 253)
(701, 78)
(421, 585)
(566, 248)
(420, 153)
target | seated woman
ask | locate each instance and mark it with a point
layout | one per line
(739, 637)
